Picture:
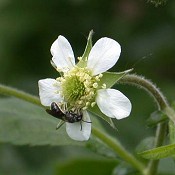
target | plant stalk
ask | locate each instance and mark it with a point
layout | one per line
(113, 144)
(162, 105)
(116, 146)
(9, 91)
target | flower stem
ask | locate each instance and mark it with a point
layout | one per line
(141, 82)
(5, 90)
(159, 138)
(116, 146)
(162, 105)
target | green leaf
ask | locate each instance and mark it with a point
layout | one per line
(97, 146)
(155, 118)
(145, 144)
(111, 78)
(159, 153)
(124, 169)
(96, 111)
(23, 123)
(86, 166)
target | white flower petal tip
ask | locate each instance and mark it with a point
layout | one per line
(103, 55)
(113, 103)
(48, 89)
(63, 56)
(80, 131)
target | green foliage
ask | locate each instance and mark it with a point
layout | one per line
(157, 2)
(100, 148)
(145, 144)
(159, 153)
(155, 118)
(144, 32)
(86, 166)
(172, 132)
(23, 123)
(172, 128)
(124, 169)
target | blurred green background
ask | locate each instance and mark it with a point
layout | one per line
(27, 30)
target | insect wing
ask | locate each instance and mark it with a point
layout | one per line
(55, 111)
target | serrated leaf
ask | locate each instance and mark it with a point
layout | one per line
(155, 118)
(111, 78)
(23, 123)
(96, 111)
(159, 153)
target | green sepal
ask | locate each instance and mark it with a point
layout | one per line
(96, 111)
(159, 153)
(111, 78)
(83, 61)
(88, 46)
(155, 118)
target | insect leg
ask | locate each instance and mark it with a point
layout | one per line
(81, 126)
(60, 124)
(85, 121)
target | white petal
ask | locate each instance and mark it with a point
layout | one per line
(48, 89)
(80, 131)
(62, 53)
(103, 55)
(113, 103)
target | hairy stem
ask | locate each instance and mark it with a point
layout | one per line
(116, 146)
(159, 138)
(141, 82)
(5, 90)
(162, 105)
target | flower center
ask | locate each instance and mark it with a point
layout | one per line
(78, 88)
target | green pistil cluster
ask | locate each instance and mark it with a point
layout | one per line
(78, 88)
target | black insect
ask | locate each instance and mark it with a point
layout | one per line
(67, 116)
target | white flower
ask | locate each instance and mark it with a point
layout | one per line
(78, 86)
